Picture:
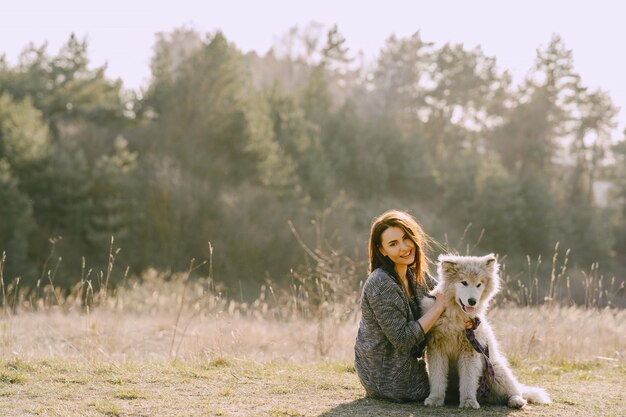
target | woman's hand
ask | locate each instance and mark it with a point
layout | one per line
(430, 317)
(440, 302)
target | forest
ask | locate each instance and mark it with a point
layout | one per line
(251, 161)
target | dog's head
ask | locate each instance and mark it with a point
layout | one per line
(468, 281)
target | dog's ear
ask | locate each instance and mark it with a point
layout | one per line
(449, 266)
(490, 261)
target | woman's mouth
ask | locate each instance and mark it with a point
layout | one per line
(408, 255)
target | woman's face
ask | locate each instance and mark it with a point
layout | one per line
(397, 245)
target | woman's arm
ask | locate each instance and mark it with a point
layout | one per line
(430, 317)
(384, 300)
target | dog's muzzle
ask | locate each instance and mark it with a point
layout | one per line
(469, 309)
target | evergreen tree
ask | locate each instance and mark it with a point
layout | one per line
(528, 137)
(402, 67)
(619, 231)
(64, 88)
(16, 225)
(24, 147)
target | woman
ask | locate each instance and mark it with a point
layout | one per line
(392, 331)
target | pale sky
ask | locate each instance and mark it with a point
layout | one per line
(122, 33)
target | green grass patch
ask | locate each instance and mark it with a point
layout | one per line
(284, 412)
(19, 365)
(107, 408)
(11, 377)
(117, 380)
(244, 387)
(339, 367)
(70, 379)
(219, 363)
(130, 394)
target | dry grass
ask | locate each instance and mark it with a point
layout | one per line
(251, 360)
(236, 387)
(168, 345)
(539, 333)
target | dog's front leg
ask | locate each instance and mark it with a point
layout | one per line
(437, 366)
(470, 368)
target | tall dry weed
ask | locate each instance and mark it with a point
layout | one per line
(161, 314)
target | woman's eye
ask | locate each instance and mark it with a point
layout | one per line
(464, 283)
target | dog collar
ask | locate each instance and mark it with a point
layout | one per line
(475, 323)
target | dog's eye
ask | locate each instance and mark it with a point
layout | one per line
(479, 284)
(464, 283)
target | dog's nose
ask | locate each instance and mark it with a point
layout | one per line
(471, 301)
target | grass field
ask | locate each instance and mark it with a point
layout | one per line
(236, 387)
(118, 363)
(166, 348)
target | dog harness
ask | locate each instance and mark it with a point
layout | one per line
(489, 372)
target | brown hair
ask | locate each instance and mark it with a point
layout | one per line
(403, 220)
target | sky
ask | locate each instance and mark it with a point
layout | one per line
(122, 33)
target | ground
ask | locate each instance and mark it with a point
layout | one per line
(150, 352)
(240, 387)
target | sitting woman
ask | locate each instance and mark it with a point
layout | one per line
(393, 330)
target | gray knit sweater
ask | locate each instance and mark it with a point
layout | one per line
(388, 333)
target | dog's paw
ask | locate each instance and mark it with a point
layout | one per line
(469, 403)
(516, 401)
(432, 401)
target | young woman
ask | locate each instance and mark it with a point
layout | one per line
(392, 331)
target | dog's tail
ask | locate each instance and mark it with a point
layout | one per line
(535, 395)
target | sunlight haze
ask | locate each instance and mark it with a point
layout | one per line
(122, 33)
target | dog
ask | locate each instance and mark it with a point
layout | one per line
(470, 282)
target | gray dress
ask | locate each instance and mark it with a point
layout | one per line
(390, 339)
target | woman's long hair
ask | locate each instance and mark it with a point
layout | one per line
(403, 220)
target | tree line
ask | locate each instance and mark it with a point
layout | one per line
(232, 148)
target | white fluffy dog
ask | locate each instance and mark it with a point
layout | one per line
(470, 282)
